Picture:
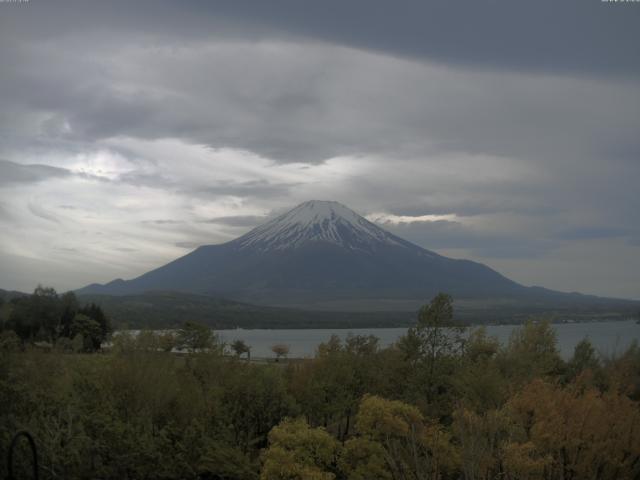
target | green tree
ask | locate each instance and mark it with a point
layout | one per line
(196, 337)
(240, 348)
(584, 358)
(330, 388)
(69, 309)
(88, 330)
(531, 352)
(47, 307)
(166, 341)
(361, 345)
(37, 316)
(95, 312)
(439, 334)
(433, 348)
(9, 341)
(478, 382)
(333, 345)
(147, 341)
(255, 399)
(410, 345)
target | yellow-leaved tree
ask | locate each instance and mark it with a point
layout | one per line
(583, 433)
(299, 452)
(397, 433)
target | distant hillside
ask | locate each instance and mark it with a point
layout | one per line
(9, 294)
(171, 309)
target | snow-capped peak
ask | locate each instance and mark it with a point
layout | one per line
(317, 221)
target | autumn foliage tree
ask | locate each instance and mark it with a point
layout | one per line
(413, 448)
(299, 452)
(585, 434)
(281, 350)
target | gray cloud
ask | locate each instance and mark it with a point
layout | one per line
(125, 249)
(440, 235)
(246, 189)
(164, 222)
(4, 214)
(11, 173)
(249, 189)
(187, 245)
(42, 213)
(238, 220)
(596, 232)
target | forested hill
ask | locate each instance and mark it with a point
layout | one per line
(171, 309)
(158, 310)
(6, 295)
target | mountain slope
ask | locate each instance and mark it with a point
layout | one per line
(318, 253)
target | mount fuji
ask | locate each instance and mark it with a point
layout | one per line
(323, 255)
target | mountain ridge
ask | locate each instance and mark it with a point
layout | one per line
(321, 252)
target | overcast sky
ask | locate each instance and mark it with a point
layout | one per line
(504, 131)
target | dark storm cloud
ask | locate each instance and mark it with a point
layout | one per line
(542, 35)
(545, 35)
(297, 107)
(92, 87)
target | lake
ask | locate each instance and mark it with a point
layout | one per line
(607, 337)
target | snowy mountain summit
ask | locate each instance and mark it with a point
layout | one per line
(318, 221)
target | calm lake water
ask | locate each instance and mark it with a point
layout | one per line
(607, 337)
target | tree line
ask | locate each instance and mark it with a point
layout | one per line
(48, 317)
(441, 403)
